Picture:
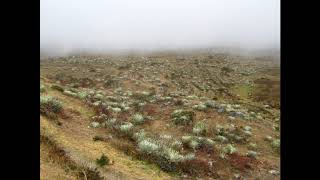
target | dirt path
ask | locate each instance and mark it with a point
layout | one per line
(75, 138)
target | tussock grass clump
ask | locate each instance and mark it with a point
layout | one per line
(50, 105)
(200, 128)
(57, 87)
(182, 117)
(102, 161)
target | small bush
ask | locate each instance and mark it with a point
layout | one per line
(126, 128)
(103, 160)
(200, 107)
(139, 136)
(49, 105)
(210, 103)
(148, 147)
(82, 95)
(229, 149)
(137, 119)
(194, 144)
(176, 145)
(221, 139)
(182, 117)
(111, 122)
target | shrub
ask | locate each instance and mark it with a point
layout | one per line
(148, 147)
(137, 119)
(95, 124)
(210, 103)
(49, 105)
(194, 144)
(221, 139)
(110, 122)
(200, 107)
(116, 109)
(82, 95)
(182, 117)
(176, 145)
(173, 155)
(103, 160)
(139, 136)
(126, 128)
(229, 149)
(209, 142)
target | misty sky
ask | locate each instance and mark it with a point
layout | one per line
(145, 24)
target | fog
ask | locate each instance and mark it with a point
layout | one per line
(119, 25)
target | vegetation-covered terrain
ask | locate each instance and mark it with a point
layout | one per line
(160, 116)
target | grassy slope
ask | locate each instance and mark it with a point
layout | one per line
(76, 138)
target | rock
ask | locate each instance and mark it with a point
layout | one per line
(252, 154)
(116, 110)
(247, 133)
(274, 172)
(200, 107)
(237, 176)
(95, 124)
(268, 138)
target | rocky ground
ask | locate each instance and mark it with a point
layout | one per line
(162, 116)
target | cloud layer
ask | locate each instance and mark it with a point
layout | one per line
(158, 24)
